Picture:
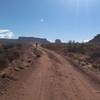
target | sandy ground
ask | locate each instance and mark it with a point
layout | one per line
(51, 78)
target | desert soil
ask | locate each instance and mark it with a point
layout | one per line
(51, 78)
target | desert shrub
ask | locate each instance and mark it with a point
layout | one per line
(95, 55)
(3, 61)
(8, 53)
(75, 48)
(7, 46)
(96, 66)
(37, 52)
(11, 55)
(19, 46)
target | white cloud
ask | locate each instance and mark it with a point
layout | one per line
(5, 33)
(86, 40)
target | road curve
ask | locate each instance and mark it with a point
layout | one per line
(52, 78)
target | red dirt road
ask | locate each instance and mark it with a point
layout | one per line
(52, 78)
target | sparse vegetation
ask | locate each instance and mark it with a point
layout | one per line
(8, 53)
(82, 52)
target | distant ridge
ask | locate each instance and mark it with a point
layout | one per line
(96, 39)
(25, 40)
(34, 39)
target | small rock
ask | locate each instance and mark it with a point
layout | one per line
(27, 66)
(1, 92)
(16, 69)
(5, 90)
(29, 61)
(21, 67)
(97, 91)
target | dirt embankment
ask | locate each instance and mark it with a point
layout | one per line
(28, 55)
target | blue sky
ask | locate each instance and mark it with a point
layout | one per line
(64, 19)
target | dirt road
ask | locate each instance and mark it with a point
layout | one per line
(52, 78)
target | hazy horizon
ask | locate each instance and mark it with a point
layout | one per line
(52, 19)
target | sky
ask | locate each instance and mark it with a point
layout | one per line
(77, 20)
